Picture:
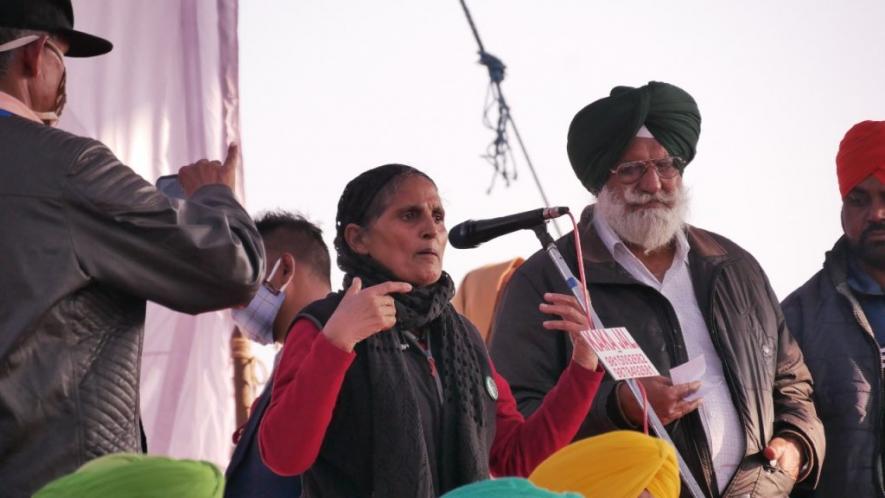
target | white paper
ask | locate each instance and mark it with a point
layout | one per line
(691, 371)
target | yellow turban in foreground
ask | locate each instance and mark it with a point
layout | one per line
(126, 475)
(619, 464)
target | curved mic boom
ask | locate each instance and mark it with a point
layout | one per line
(472, 233)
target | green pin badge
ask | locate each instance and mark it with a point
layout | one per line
(491, 388)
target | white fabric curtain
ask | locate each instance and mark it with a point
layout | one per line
(166, 96)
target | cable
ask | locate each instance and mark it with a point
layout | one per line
(644, 408)
(499, 150)
(582, 275)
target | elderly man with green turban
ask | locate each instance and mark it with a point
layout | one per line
(746, 423)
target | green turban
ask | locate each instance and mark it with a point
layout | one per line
(508, 487)
(126, 475)
(599, 133)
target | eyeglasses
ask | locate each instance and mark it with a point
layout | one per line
(667, 168)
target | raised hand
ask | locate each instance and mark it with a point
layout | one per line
(363, 313)
(667, 400)
(573, 320)
(205, 172)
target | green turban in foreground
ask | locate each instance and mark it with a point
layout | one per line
(126, 475)
(599, 133)
(508, 487)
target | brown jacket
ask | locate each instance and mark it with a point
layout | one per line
(767, 376)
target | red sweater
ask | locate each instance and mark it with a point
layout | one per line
(309, 377)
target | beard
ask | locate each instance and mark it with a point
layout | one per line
(871, 252)
(649, 228)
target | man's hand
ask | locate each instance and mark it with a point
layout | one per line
(205, 172)
(363, 313)
(787, 453)
(667, 400)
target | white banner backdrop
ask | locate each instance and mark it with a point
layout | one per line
(166, 96)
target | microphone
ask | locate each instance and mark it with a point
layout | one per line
(470, 233)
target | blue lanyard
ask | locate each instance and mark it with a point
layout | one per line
(4, 113)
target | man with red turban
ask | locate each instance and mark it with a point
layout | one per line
(838, 318)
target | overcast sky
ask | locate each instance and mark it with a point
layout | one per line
(332, 88)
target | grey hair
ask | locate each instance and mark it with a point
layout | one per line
(7, 35)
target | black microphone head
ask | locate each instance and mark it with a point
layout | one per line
(459, 235)
(472, 233)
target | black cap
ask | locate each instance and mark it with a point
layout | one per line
(52, 16)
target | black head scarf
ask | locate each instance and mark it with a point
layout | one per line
(401, 465)
(599, 133)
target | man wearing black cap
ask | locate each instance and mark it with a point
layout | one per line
(747, 425)
(85, 243)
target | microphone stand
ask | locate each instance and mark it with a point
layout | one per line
(574, 286)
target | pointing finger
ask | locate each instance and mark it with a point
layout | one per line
(232, 160)
(391, 288)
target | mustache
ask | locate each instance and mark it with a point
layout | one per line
(872, 227)
(631, 196)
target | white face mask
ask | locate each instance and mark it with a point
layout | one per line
(49, 117)
(256, 319)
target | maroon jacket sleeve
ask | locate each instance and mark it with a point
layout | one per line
(306, 386)
(521, 445)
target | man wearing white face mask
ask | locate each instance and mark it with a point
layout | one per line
(298, 275)
(87, 242)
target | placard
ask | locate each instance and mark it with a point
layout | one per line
(620, 354)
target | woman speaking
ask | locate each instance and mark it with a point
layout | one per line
(384, 390)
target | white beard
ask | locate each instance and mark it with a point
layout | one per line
(651, 229)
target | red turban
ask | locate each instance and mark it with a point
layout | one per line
(861, 154)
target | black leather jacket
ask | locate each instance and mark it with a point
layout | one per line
(85, 242)
(843, 356)
(768, 380)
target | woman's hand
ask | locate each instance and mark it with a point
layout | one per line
(363, 313)
(573, 320)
